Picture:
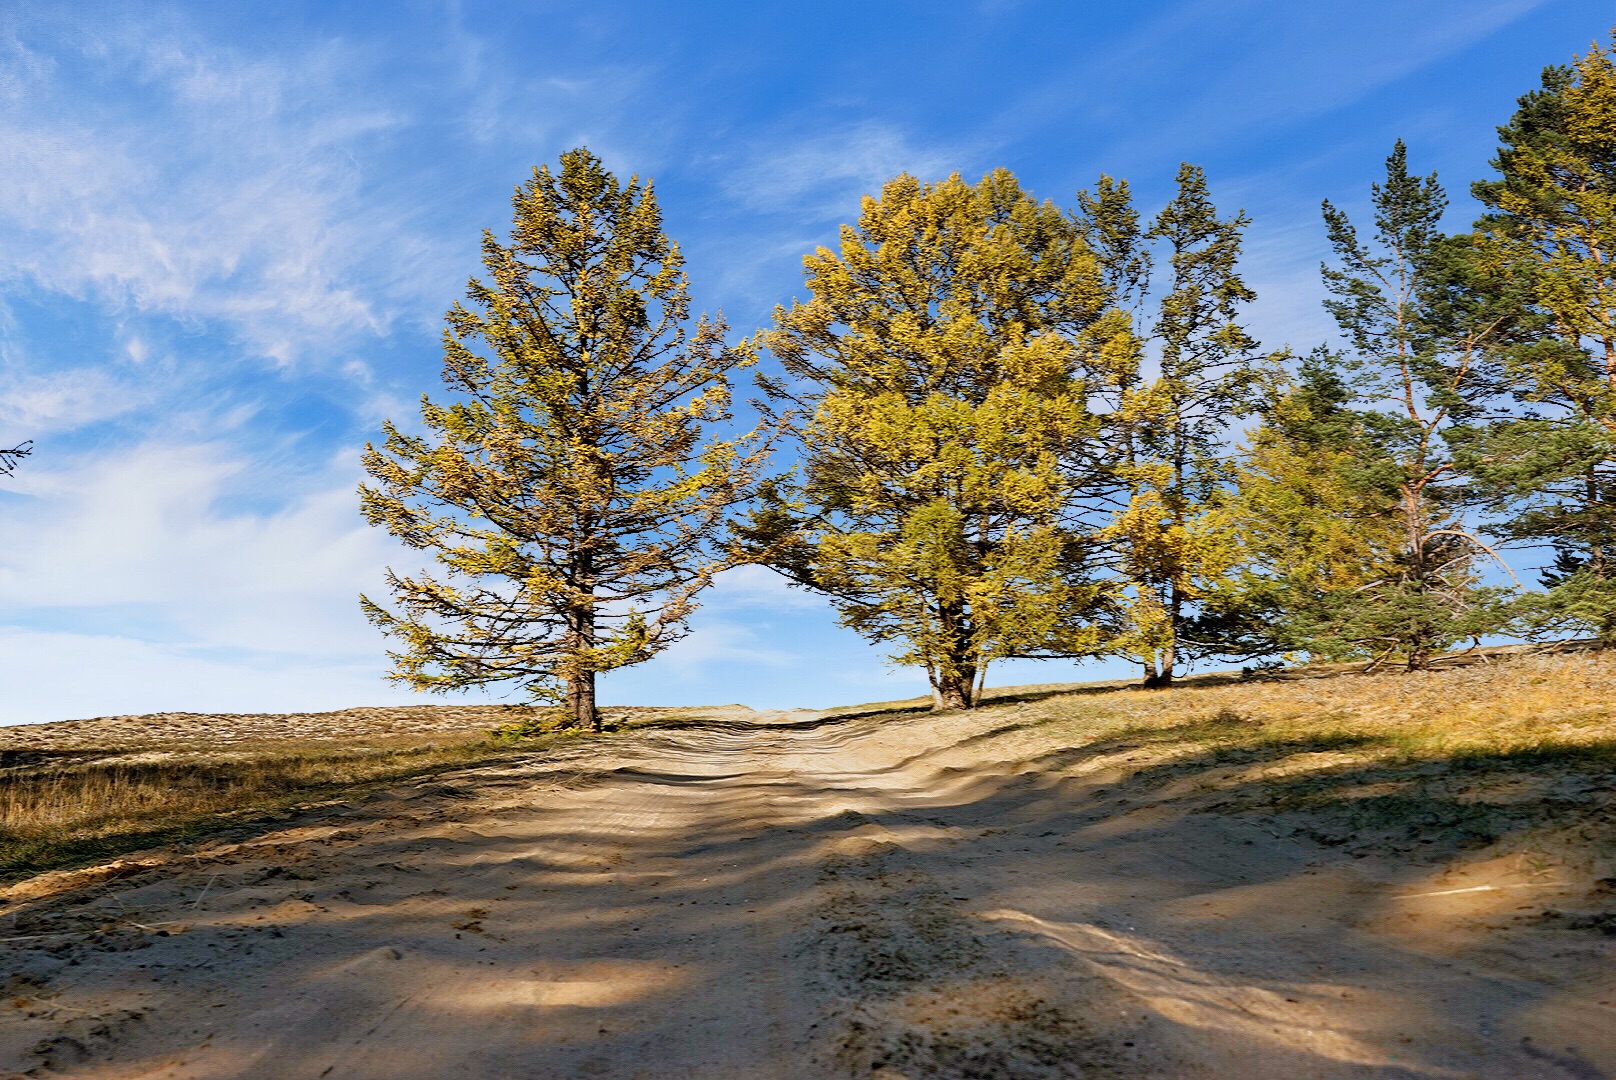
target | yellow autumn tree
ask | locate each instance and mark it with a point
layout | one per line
(573, 494)
(943, 404)
(1168, 427)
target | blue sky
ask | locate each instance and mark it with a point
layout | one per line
(228, 234)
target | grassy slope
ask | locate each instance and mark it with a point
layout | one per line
(77, 809)
(1512, 760)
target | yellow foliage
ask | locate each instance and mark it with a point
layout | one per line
(574, 494)
(948, 398)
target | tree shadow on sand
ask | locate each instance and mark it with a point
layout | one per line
(578, 945)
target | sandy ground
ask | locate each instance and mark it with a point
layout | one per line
(795, 897)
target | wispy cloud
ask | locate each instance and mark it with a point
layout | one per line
(1278, 65)
(824, 169)
(41, 404)
(198, 184)
(759, 587)
(154, 529)
(59, 675)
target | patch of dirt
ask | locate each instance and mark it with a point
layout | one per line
(921, 993)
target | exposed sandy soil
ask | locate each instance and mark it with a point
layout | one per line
(800, 896)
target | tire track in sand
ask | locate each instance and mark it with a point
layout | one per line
(783, 896)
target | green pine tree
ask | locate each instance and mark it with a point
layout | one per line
(1549, 239)
(1421, 337)
(1314, 509)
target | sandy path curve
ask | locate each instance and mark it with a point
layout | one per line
(785, 895)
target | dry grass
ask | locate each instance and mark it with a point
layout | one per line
(187, 731)
(79, 792)
(70, 809)
(1517, 755)
(1556, 708)
(1479, 751)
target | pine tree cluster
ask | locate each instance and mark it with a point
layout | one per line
(1027, 431)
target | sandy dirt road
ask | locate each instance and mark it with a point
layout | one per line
(782, 896)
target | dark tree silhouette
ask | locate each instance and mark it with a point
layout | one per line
(9, 458)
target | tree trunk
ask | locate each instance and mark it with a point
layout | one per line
(1419, 647)
(953, 691)
(581, 680)
(581, 701)
(587, 715)
(953, 676)
(1414, 526)
(1161, 678)
(936, 694)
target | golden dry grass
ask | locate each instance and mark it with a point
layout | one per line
(1555, 707)
(82, 791)
(1516, 755)
(67, 809)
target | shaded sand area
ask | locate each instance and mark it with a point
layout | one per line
(881, 895)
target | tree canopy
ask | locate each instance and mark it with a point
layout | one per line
(1022, 431)
(943, 397)
(575, 492)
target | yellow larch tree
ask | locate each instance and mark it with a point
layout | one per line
(936, 369)
(574, 494)
(1168, 429)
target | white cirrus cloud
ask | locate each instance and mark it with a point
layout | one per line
(1283, 64)
(824, 170)
(58, 675)
(41, 404)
